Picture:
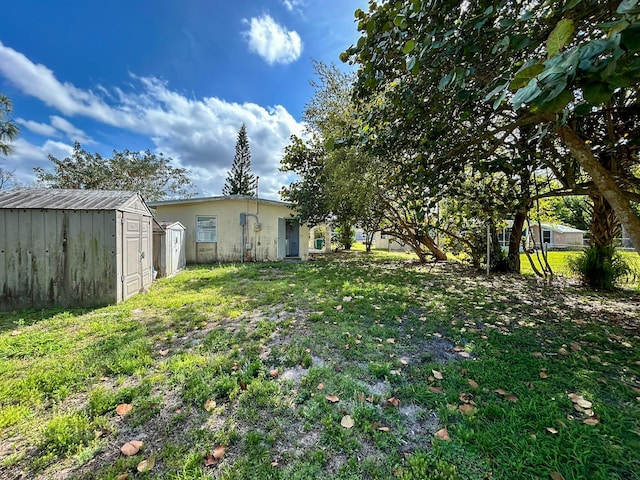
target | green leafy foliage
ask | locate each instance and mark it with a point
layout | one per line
(560, 36)
(424, 466)
(151, 175)
(67, 433)
(602, 268)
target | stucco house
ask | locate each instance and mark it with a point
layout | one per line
(236, 228)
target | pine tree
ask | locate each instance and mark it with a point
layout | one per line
(240, 180)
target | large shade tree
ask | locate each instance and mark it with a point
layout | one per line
(151, 175)
(543, 68)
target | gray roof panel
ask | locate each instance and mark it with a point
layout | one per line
(59, 199)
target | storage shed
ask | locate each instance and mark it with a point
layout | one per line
(76, 248)
(169, 256)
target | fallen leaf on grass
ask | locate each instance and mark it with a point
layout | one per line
(575, 346)
(124, 476)
(556, 476)
(383, 429)
(499, 391)
(552, 430)
(563, 351)
(332, 398)
(466, 398)
(473, 383)
(243, 386)
(124, 408)
(274, 464)
(593, 420)
(391, 340)
(274, 373)
(219, 452)
(320, 386)
(512, 398)
(146, 465)
(435, 390)
(403, 361)
(538, 354)
(210, 405)
(339, 307)
(347, 299)
(437, 374)
(347, 422)
(393, 401)
(164, 353)
(131, 448)
(467, 409)
(543, 375)
(442, 434)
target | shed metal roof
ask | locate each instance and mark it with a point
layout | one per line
(60, 199)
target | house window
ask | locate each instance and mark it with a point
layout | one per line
(206, 229)
(546, 236)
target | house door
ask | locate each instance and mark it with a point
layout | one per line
(292, 238)
(288, 238)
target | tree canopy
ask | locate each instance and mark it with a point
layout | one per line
(151, 175)
(502, 87)
(240, 180)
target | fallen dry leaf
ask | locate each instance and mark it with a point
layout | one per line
(575, 346)
(347, 422)
(210, 461)
(473, 383)
(551, 430)
(437, 374)
(499, 391)
(274, 373)
(393, 401)
(556, 476)
(584, 403)
(435, 390)
(466, 398)
(131, 448)
(442, 434)
(512, 398)
(124, 476)
(391, 340)
(164, 353)
(467, 409)
(563, 351)
(543, 375)
(320, 386)
(219, 452)
(332, 398)
(124, 408)
(146, 465)
(210, 405)
(591, 421)
(403, 361)
(339, 307)
(274, 464)
(383, 429)
(538, 354)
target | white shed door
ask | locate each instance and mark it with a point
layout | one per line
(136, 254)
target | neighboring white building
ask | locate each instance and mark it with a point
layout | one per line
(554, 236)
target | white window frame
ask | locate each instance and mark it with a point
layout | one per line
(206, 233)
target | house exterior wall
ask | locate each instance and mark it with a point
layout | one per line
(558, 239)
(263, 239)
(57, 257)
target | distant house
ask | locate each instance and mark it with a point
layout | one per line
(554, 236)
(72, 248)
(236, 228)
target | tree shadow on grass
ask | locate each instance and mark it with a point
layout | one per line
(20, 318)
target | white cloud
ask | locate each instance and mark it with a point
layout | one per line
(74, 134)
(273, 42)
(40, 128)
(292, 5)
(199, 134)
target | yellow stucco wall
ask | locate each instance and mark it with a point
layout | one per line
(229, 246)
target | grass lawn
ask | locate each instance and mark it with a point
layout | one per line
(354, 367)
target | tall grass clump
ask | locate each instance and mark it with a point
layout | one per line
(601, 268)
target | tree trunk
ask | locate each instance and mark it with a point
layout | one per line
(428, 242)
(604, 226)
(513, 257)
(604, 182)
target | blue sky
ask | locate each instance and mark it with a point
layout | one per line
(173, 76)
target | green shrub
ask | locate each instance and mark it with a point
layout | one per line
(422, 466)
(67, 433)
(601, 268)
